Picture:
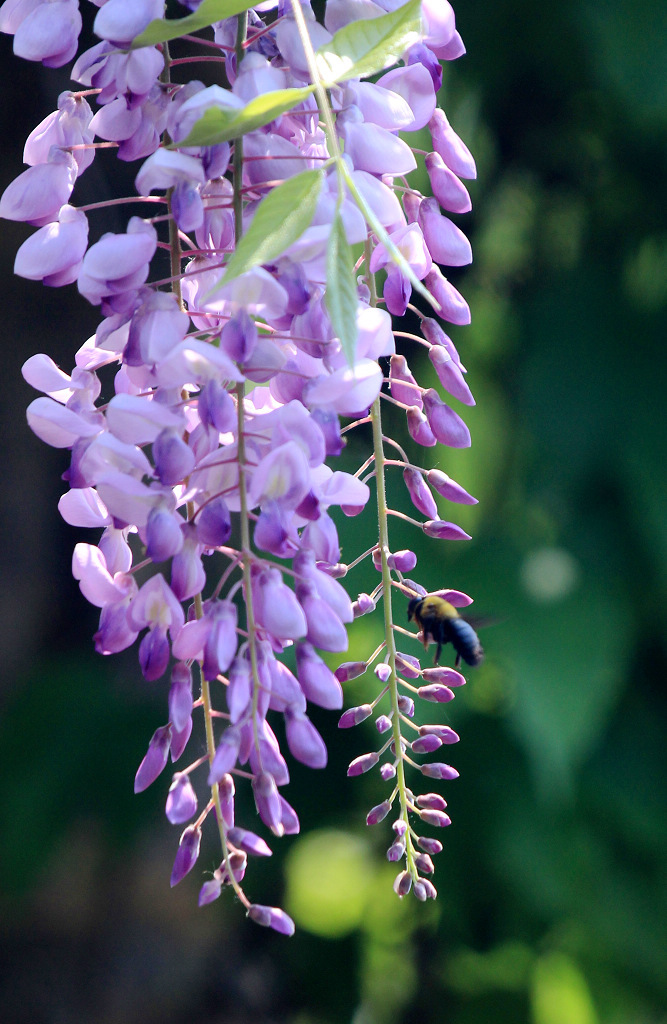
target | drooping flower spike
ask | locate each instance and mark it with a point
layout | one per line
(235, 371)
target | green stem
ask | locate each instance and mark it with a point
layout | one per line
(383, 534)
(246, 551)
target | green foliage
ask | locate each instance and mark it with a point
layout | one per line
(279, 220)
(367, 46)
(208, 12)
(221, 124)
(341, 293)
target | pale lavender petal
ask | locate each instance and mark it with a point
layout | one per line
(318, 682)
(304, 741)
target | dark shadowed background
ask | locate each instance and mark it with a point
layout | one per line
(552, 882)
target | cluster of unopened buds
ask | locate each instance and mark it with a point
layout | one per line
(239, 343)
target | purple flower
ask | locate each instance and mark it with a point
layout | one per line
(186, 855)
(54, 254)
(37, 195)
(249, 842)
(226, 754)
(272, 917)
(362, 764)
(205, 414)
(114, 268)
(181, 801)
(155, 759)
(267, 801)
(48, 33)
(304, 741)
(319, 684)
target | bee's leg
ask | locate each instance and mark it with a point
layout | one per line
(458, 660)
(438, 652)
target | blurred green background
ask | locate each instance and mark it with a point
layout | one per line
(552, 882)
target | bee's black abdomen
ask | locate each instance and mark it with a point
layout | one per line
(465, 641)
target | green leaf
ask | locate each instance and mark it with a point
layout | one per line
(220, 124)
(281, 218)
(369, 45)
(209, 11)
(341, 296)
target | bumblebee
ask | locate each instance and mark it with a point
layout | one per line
(439, 621)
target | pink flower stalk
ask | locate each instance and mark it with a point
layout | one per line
(233, 372)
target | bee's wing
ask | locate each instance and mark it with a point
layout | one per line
(484, 621)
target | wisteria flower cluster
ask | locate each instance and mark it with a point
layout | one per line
(239, 342)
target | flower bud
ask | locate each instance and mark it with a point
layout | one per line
(363, 605)
(443, 732)
(403, 386)
(180, 696)
(350, 670)
(225, 755)
(402, 561)
(419, 429)
(420, 495)
(406, 705)
(216, 407)
(428, 888)
(164, 537)
(447, 426)
(272, 917)
(155, 759)
(432, 846)
(319, 684)
(186, 855)
(210, 891)
(267, 802)
(407, 665)
(424, 863)
(403, 883)
(450, 192)
(426, 744)
(437, 818)
(449, 488)
(438, 770)
(289, 818)
(450, 376)
(181, 801)
(174, 460)
(238, 862)
(432, 801)
(396, 850)
(226, 789)
(214, 525)
(363, 763)
(353, 716)
(243, 839)
(378, 813)
(154, 654)
(436, 693)
(304, 741)
(455, 154)
(444, 674)
(179, 739)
